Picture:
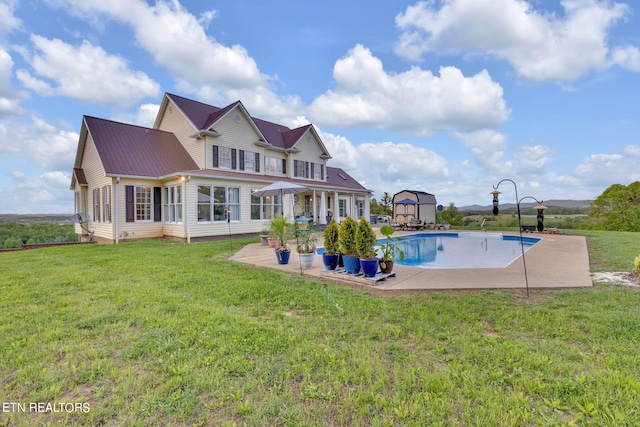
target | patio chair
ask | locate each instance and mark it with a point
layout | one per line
(416, 224)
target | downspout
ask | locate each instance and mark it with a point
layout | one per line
(115, 209)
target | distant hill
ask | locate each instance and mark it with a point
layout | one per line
(35, 218)
(547, 203)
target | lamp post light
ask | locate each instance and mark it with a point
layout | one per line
(495, 193)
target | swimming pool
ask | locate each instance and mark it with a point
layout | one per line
(461, 250)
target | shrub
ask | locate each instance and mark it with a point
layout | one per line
(347, 237)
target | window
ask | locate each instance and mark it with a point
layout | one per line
(173, 204)
(204, 203)
(76, 197)
(106, 203)
(143, 203)
(219, 201)
(96, 205)
(224, 157)
(275, 165)
(266, 207)
(342, 208)
(317, 171)
(249, 161)
(300, 169)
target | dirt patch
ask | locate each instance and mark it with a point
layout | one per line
(626, 279)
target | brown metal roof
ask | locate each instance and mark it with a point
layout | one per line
(339, 178)
(138, 151)
(80, 176)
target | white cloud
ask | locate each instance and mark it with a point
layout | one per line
(541, 46)
(627, 57)
(607, 169)
(9, 22)
(632, 150)
(84, 72)
(532, 159)
(414, 101)
(487, 147)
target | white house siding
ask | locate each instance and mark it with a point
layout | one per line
(135, 230)
(95, 174)
(240, 135)
(245, 225)
(310, 151)
(174, 121)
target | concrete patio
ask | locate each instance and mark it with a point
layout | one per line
(557, 261)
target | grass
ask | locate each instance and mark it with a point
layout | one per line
(159, 333)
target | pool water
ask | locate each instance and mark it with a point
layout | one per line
(461, 250)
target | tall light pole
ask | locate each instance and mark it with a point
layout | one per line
(496, 211)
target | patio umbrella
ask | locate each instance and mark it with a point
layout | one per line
(406, 202)
(280, 188)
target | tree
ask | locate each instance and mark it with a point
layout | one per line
(387, 203)
(451, 215)
(618, 208)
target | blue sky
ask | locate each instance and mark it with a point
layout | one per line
(448, 97)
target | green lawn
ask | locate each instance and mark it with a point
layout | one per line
(159, 333)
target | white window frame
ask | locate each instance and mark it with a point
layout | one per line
(143, 204)
(220, 207)
(250, 161)
(224, 157)
(173, 204)
(272, 164)
(96, 205)
(106, 203)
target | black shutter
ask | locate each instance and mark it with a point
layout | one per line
(215, 156)
(306, 169)
(312, 170)
(157, 204)
(241, 160)
(284, 166)
(233, 158)
(295, 168)
(257, 162)
(322, 172)
(129, 203)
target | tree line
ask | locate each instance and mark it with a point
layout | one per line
(14, 235)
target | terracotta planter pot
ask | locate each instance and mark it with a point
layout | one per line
(272, 241)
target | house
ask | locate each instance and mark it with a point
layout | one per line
(192, 176)
(421, 205)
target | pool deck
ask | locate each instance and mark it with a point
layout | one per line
(557, 261)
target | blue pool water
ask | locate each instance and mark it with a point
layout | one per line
(460, 250)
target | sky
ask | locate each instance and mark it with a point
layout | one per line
(450, 97)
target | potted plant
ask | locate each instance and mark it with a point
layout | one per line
(348, 249)
(365, 245)
(331, 245)
(389, 250)
(264, 237)
(306, 247)
(282, 229)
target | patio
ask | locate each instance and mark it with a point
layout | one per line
(557, 261)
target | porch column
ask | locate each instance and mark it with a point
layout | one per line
(315, 207)
(367, 207)
(323, 208)
(336, 207)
